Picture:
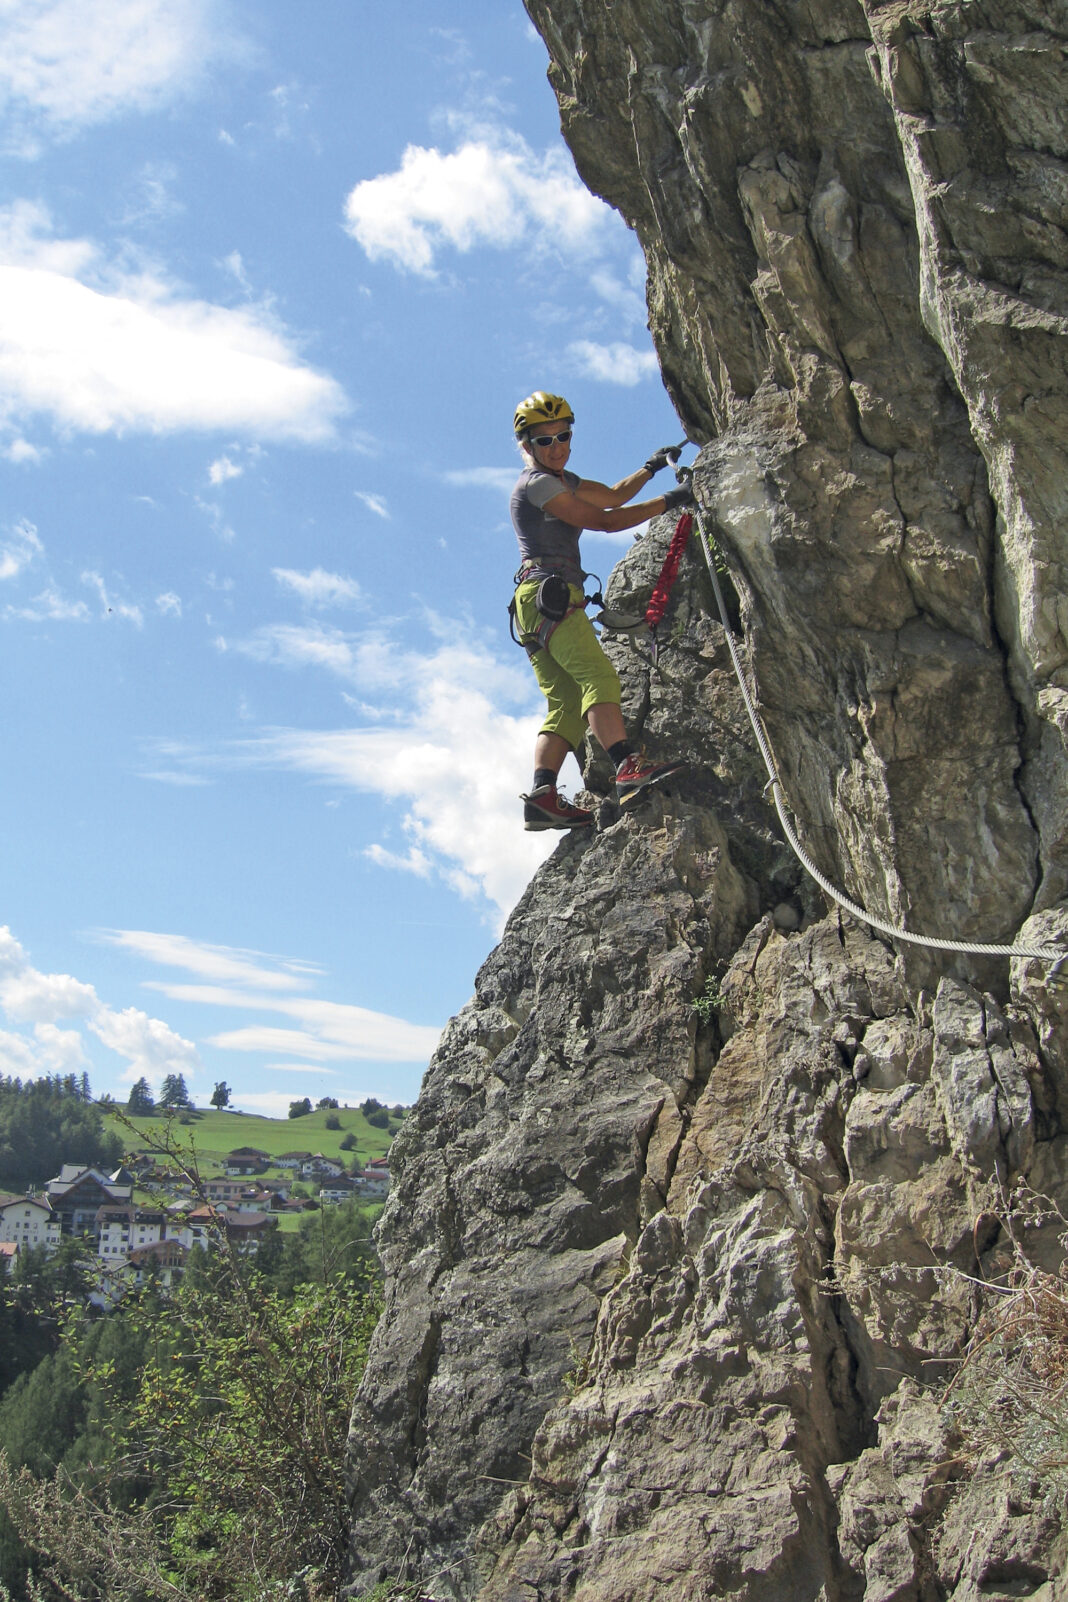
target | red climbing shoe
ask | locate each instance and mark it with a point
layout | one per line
(637, 773)
(546, 808)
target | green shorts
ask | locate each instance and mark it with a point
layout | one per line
(573, 672)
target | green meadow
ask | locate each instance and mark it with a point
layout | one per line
(213, 1134)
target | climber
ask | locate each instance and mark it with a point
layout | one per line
(550, 508)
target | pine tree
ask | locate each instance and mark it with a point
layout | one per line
(141, 1102)
(174, 1092)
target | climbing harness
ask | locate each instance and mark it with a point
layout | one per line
(554, 605)
(1042, 953)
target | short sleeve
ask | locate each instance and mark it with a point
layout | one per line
(542, 487)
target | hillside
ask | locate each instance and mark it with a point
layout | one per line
(213, 1134)
(674, 1296)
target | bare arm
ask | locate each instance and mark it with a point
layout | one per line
(606, 495)
(578, 512)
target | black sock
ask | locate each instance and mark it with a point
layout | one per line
(544, 776)
(620, 752)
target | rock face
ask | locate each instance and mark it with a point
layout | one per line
(673, 1292)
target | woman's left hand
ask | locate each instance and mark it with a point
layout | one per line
(661, 458)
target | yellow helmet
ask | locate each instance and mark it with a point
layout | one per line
(541, 408)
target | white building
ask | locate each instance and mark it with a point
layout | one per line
(29, 1221)
(320, 1167)
(336, 1191)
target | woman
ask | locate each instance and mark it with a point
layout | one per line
(550, 508)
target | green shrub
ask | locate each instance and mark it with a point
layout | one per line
(1010, 1392)
(710, 1001)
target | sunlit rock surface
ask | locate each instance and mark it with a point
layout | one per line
(673, 1294)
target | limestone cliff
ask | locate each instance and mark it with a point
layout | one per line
(672, 1295)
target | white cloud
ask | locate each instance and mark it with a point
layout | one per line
(151, 1048)
(63, 1050)
(220, 964)
(182, 780)
(253, 981)
(449, 733)
(373, 503)
(214, 514)
(319, 588)
(393, 1041)
(296, 645)
(500, 479)
(99, 351)
(110, 605)
(50, 607)
(71, 63)
(450, 753)
(18, 1057)
(414, 861)
(50, 1051)
(299, 1068)
(18, 548)
(223, 469)
(168, 604)
(234, 264)
(624, 299)
(272, 1103)
(44, 1000)
(28, 996)
(494, 190)
(617, 363)
(268, 1037)
(20, 451)
(151, 195)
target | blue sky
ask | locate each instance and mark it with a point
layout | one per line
(272, 280)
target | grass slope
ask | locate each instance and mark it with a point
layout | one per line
(214, 1134)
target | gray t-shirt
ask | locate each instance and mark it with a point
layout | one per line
(543, 539)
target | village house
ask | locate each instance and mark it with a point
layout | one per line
(133, 1241)
(78, 1194)
(137, 1243)
(246, 1160)
(336, 1191)
(160, 1259)
(9, 1255)
(244, 1231)
(320, 1167)
(228, 1191)
(28, 1221)
(199, 1226)
(124, 1230)
(373, 1180)
(292, 1159)
(260, 1198)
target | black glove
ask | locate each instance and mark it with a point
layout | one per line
(660, 458)
(683, 496)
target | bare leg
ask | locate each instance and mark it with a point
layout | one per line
(606, 721)
(550, 751)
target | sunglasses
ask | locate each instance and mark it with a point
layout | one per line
(545, 440)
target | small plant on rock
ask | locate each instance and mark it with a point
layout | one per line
(1010, 1394)
(710, 1002)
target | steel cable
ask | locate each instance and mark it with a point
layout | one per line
(935, 942)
